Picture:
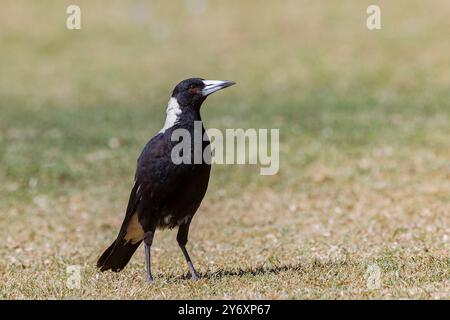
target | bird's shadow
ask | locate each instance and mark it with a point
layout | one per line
(242, 272)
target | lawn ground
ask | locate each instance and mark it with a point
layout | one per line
(364, 118)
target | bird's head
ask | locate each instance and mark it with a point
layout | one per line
(192, 92)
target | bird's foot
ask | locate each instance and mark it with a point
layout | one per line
(150, 279)
(194, 277)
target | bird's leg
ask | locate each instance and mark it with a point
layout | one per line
(148, 240)
(182, 238)
(194, 275)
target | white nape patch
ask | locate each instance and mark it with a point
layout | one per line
(172, 113)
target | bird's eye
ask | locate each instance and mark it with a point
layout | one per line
(193, 89)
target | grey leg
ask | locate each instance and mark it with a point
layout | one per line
(182, 238)
(148, 240)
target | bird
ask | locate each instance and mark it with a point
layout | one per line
(166, 193)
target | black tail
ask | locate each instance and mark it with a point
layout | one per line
(118, 254)
(116, 257)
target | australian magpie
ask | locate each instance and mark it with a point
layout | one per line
(165, 194)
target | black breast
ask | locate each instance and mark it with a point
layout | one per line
(171, 193)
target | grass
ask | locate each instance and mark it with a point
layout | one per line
(364, 122)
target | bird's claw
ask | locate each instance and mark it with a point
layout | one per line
(194, 277)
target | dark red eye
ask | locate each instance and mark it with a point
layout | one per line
(194, 90)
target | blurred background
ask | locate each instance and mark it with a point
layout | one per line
(364, 119)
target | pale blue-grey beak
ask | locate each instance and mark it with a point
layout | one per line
(212, 86)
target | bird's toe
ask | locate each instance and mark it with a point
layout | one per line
(194, 277)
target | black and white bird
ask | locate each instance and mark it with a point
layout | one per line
(165, 194)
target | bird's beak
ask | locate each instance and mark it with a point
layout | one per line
(212, 86)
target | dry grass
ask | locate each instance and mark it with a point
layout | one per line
(364, 122)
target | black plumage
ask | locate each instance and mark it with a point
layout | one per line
(165, 194)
